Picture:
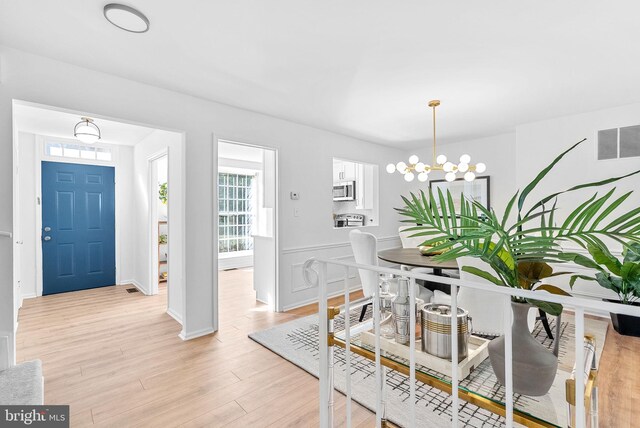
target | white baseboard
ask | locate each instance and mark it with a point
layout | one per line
(135, 284)
(315, 299)
(235, 262)
(29, 296)
(173, 315)
(195, 334)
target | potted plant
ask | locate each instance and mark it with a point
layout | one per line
(506, 244)
(622, 277)
(163, 193)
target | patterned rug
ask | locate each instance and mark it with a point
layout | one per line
(297, 341)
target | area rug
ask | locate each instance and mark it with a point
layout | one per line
(297, 341)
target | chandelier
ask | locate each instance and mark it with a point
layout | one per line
(439, 162)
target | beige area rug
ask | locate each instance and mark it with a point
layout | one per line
(297, 341)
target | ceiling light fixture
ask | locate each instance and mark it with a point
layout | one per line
(87, 131)
(126, 18)
(439, 163)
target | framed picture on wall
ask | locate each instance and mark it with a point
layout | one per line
(478, 190)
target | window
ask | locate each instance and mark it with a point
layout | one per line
(77, 151)
(235, 205)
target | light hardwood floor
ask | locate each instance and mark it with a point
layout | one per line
(116, 359)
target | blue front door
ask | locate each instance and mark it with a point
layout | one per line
(78, 227)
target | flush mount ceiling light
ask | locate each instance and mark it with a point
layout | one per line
(439, 163)
(86, 131)
(126, 18)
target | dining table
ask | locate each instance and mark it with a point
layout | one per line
(413, 258)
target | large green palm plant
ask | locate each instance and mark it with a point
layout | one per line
(518, 250)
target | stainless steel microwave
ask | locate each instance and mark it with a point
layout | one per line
(344, 191)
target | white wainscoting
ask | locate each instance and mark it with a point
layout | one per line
(294, 292)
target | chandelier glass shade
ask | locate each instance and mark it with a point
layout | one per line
(87, 131)
(415, 168)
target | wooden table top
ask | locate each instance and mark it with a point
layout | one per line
(412, 257)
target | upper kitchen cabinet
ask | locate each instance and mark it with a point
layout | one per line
(344, 171)
(355, 191)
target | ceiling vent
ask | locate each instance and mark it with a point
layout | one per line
(619, 143)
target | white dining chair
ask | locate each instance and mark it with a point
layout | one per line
(407, 240)
(365, 251)
(485, 308)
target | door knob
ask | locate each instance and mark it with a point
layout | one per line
(47, 238)
(47, 229)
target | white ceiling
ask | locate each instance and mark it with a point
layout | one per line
(364, 68)
(60, 124)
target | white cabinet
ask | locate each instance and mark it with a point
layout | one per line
(344, 171)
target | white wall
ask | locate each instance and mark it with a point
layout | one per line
(27, 198)
(144, 233)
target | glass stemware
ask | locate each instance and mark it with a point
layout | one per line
(386, 324)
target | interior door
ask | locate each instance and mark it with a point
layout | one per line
(78, 227)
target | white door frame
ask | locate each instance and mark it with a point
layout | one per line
(217, 139)
(153, 221)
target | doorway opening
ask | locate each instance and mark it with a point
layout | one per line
(159, 225)
(246, 212)
(82, 210)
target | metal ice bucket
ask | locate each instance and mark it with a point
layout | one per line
(436, 331)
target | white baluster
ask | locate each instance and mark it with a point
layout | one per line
(579, 372)
(347, 329)
(454, 355)
(380, 411)
(412, 352)
(326, 412)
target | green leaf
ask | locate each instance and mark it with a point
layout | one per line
(607, 281)
(630, 272)
(573, 279)
(581, 260)
(542, 174)
(615, 204)
(482, 274)
(632, 253)
(507, 211)
(581, 186)
(602, 256)
(554, 309)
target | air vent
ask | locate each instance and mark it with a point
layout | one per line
(618, 143)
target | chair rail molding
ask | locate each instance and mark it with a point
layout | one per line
(302, 249)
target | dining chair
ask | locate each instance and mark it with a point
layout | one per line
(409, 241)
(365, 251)
(485, 309)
